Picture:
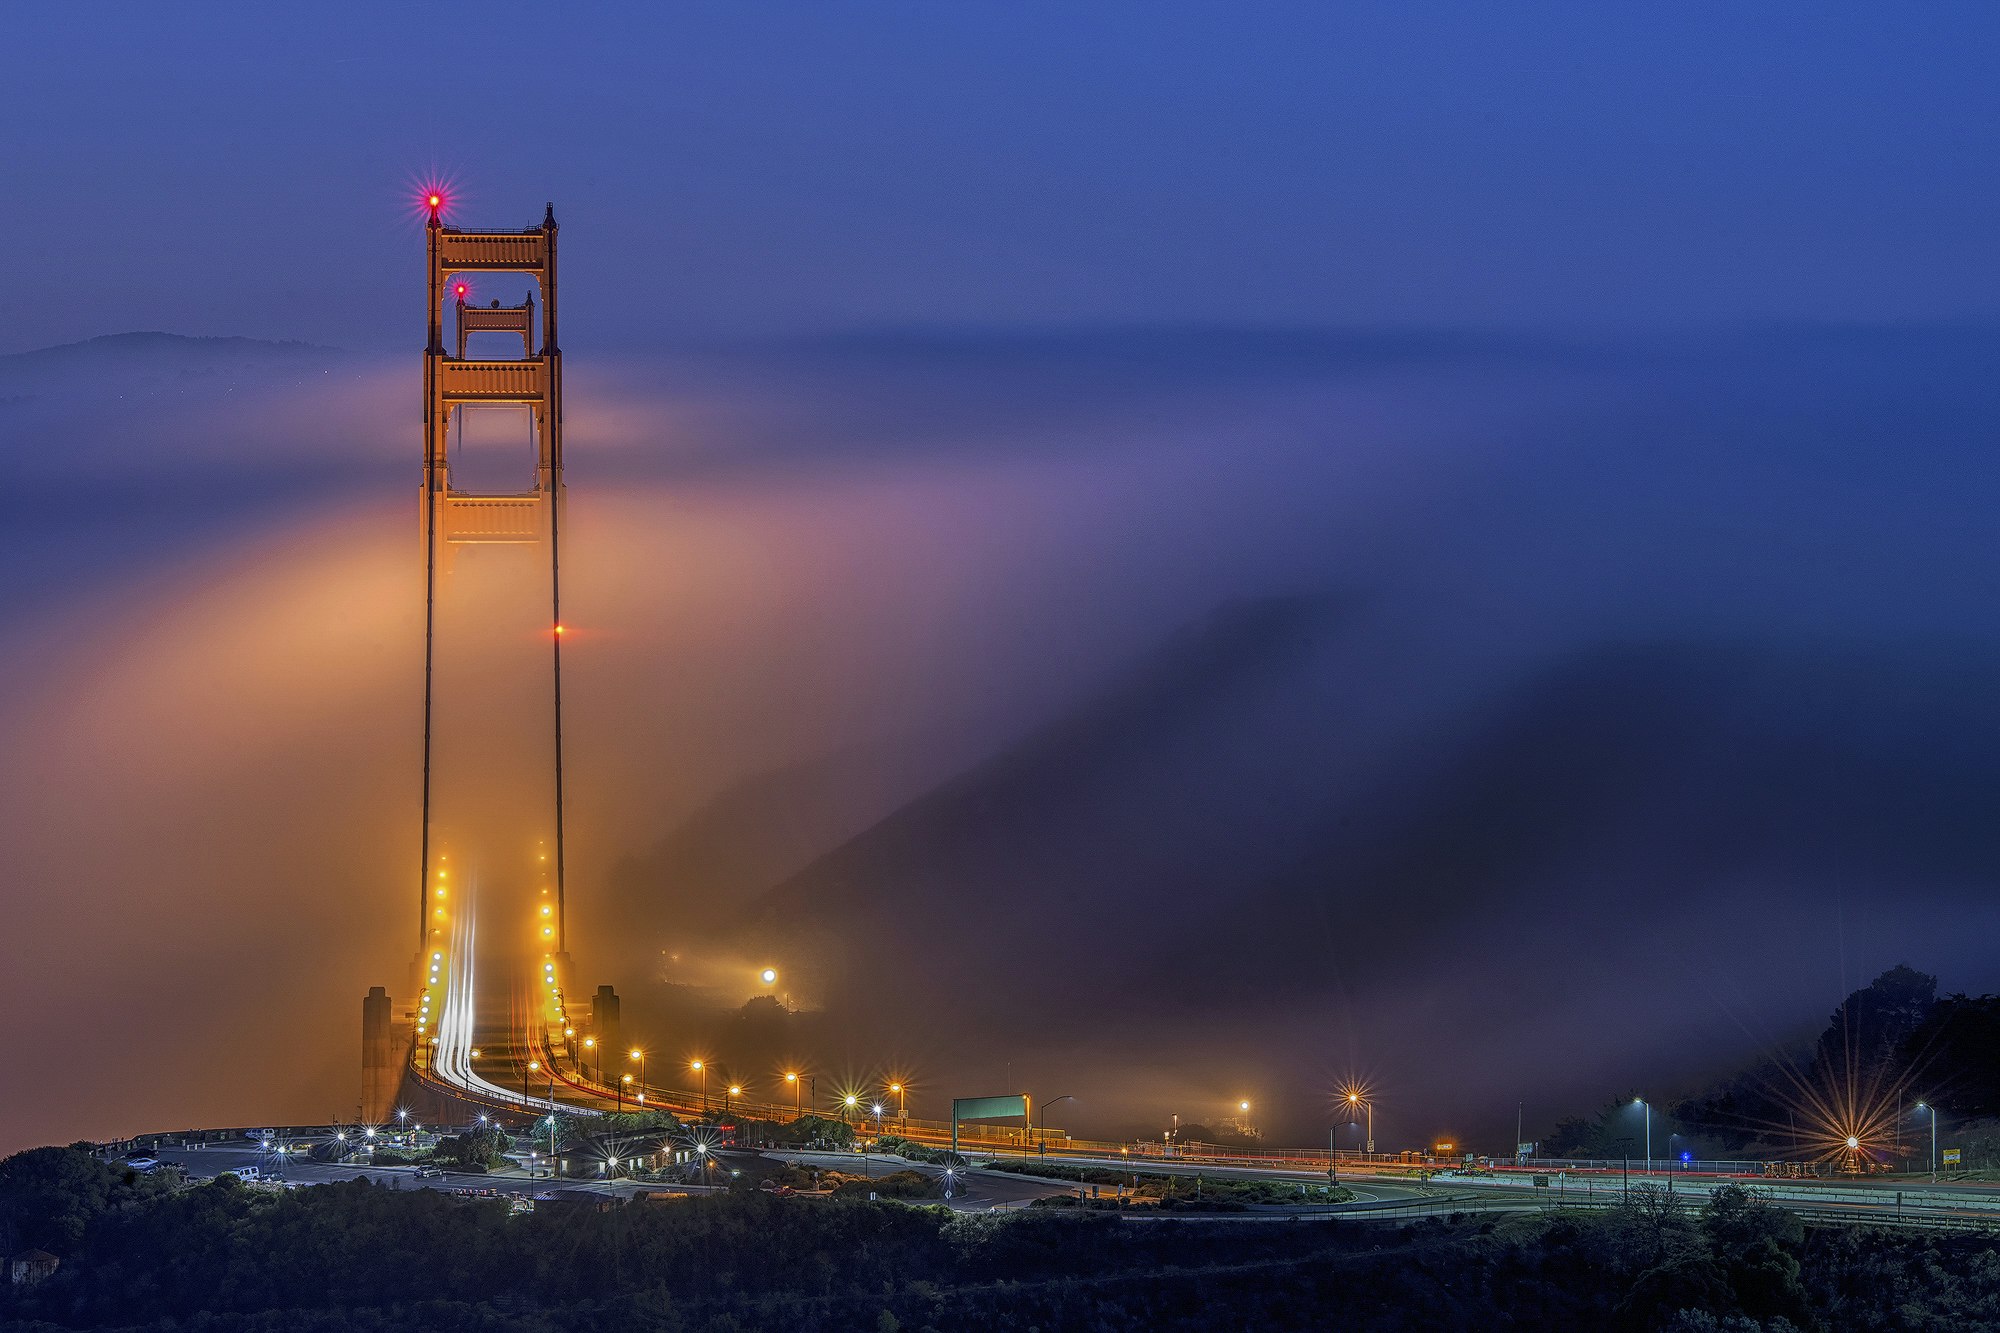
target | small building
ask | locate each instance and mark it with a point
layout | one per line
(31, 1266)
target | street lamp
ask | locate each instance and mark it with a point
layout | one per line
(590, 1044)
(1925, 1106)
(1243, 1109)
(792, 1077)
(640, 1056)
(533, 1067)
(901, 1112)
(1042, 1120)
(702, 1069)
(1355, 1099)
(1641, 1101)
(624, 1082)
(729, 1105)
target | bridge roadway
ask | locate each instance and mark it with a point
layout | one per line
(523, 1074)
(1382, 1184)
(1391, 1188)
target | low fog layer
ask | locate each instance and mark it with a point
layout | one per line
(1156, 717)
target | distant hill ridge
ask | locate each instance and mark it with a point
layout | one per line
(170, 343)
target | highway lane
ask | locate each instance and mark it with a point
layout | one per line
(978, 1191)
(989, 1190)
(1367, 1189)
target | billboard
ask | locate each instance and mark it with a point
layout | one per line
(988, 1108)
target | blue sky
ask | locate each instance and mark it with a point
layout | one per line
(748, 169)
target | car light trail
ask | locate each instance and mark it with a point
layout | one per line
(453, 1061)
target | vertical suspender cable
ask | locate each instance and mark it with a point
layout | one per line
(431, 350)
(430, 614)
(555, 611)
(552, 350)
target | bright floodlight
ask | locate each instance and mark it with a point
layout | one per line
(735, 1091)
(1853, 1142)
(769, 974)
(878, 1108)
(852, 1099)
(1243, 1106)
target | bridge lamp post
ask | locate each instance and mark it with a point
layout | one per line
(533, 1067)
(636, 1054)
(589, 1045)
(623, 1083)
(1042, 1119)
(1926, 1106)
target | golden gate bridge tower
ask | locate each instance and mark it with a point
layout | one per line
(423, 1040)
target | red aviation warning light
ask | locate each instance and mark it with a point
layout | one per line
(461, 291)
